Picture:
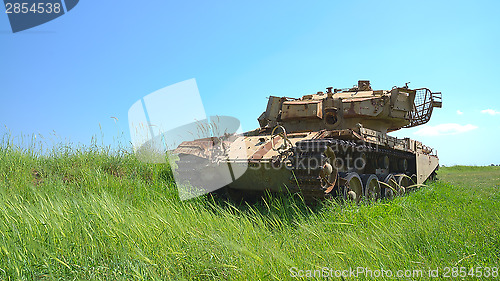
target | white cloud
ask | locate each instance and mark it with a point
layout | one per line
(490, 112)
(459, 112)
(444, 129)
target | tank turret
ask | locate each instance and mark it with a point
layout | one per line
(380, 110)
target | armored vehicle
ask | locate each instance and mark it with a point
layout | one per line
(332, 143)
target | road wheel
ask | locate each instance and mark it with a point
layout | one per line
(371, 187)
(353, 188)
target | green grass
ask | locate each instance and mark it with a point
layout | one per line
(88, 213)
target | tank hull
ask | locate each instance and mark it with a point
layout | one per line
(300, 167)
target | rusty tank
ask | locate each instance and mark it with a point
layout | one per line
(332, 143)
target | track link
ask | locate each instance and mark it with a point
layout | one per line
(310, 156)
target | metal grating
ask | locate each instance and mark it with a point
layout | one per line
(422, 108)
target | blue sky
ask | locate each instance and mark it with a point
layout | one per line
(73, 74)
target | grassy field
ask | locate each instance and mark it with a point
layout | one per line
(87, 213)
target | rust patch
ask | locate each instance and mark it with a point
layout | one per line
(342, 134)
(351, 110)
(350, 100)
(200, 148)
(264, 149)
(302, 109)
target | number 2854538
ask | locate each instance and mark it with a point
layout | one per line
(33, 8)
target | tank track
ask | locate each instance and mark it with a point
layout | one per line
(309, 157)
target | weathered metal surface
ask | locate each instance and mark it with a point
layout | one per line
(264, 149)
(329, 128)
(302, 109)
(427, 163)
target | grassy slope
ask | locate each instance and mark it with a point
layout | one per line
(86, 214)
